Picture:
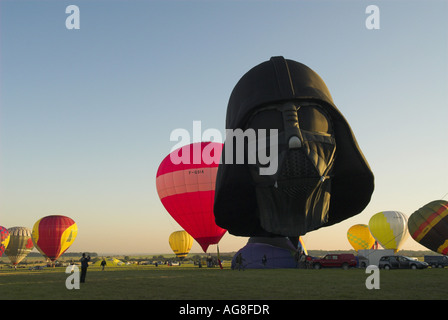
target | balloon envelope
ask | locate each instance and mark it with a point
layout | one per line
(110, 262)
(390, 229)
(302, 245)
(181, 243)
(360, 237)
(53, 235)
(4, 239)
(186, 186)
(429, 226)
(20, 244)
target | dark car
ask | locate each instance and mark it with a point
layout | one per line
(436, 261)
(400, 262)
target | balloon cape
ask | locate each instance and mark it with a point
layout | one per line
(266, 253)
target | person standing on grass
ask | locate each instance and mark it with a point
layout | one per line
(84, 265)
(239, 261)
(103, 263)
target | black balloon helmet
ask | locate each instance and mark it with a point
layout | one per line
(288, 95)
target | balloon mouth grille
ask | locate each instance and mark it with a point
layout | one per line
(297, 165)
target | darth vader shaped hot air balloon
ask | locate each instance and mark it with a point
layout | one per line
(322, 177)
(186, 186)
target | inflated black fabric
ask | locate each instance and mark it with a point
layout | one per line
(237, 207)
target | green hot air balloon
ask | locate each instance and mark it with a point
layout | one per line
(429, 226)
(20, 244)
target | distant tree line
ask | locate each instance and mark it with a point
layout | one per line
(225, 256)
(66, 254)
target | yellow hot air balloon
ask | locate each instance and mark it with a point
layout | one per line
(390, 229)
(181, 243)
(20, 244)
(360, 237)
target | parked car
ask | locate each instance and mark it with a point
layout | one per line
(436, 261)
(340, 260)
(401, 262)
(36, 268)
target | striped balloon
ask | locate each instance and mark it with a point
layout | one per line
(53, 235)
(429, 226)
(302, 245)
(186, 186)
(4, 239)
(20, 244)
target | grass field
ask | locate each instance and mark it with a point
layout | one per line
(192, 283)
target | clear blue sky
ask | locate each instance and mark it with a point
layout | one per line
(86, 114)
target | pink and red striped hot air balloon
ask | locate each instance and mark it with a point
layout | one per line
(186, 186)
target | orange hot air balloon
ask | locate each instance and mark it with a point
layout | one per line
(53, 235)
(186, 186)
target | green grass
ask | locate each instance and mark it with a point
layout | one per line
(188, 283)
